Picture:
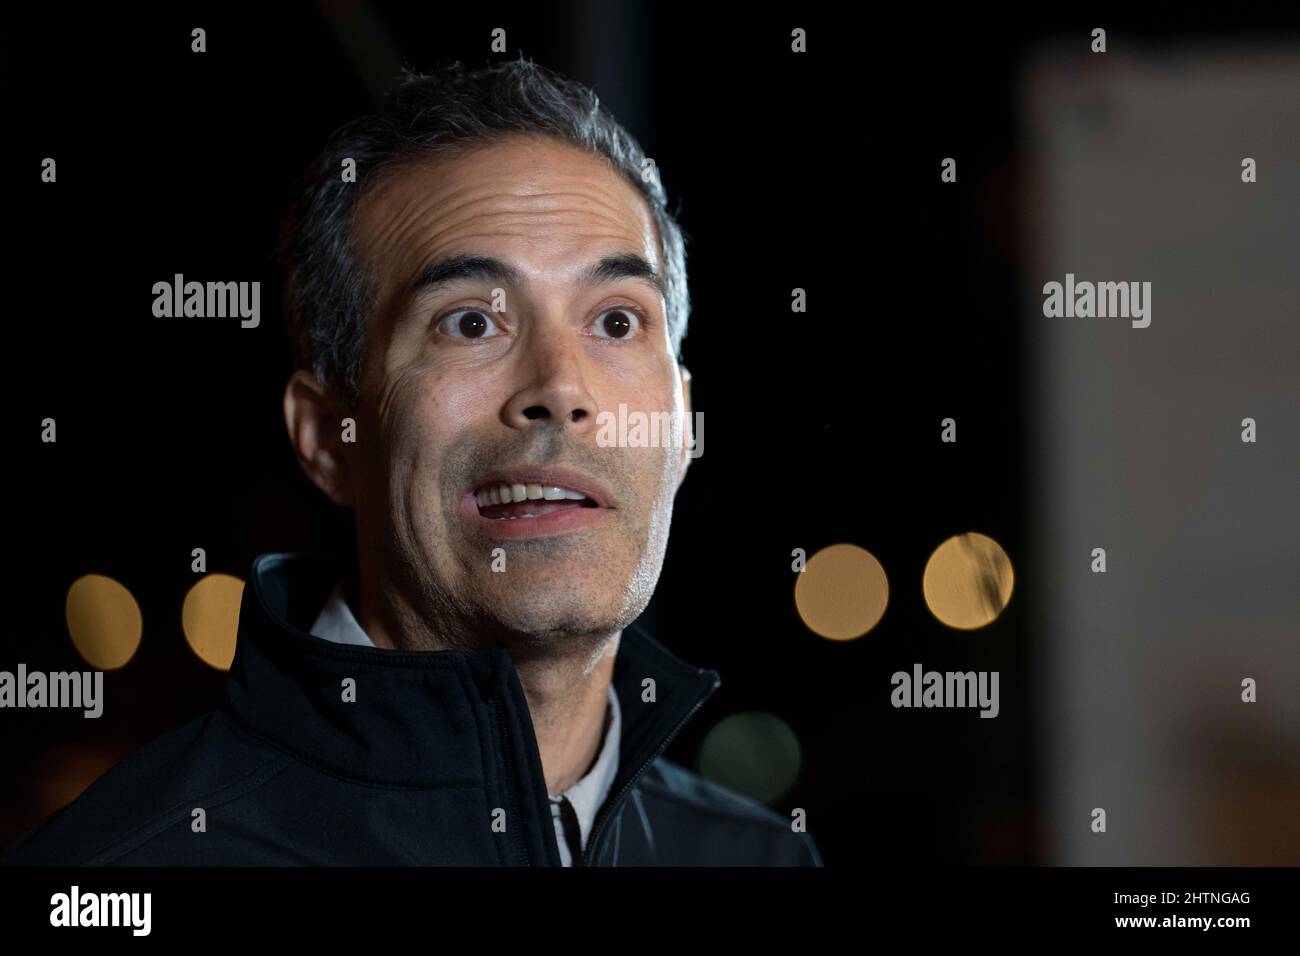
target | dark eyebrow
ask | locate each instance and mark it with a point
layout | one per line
(458, 268)
(470, 267)
(629, 265)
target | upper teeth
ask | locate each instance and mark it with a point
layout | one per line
(505, 494)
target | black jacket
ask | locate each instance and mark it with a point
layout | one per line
(412, 772)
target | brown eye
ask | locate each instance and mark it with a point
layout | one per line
(473, 324)
(617, 324)
(468, 324)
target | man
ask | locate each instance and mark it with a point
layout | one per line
(472, 689)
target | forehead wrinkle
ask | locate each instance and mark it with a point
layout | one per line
(514, 226)
(425, 224)
(453, 202)
(555, 201)
(507, 219)
(545, 213)
(462, 196)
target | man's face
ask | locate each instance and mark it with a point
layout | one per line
(492, 373)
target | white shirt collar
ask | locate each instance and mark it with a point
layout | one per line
(589, 793)
(337, 623)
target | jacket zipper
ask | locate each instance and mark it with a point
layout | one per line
(599, 827)
(512, 798)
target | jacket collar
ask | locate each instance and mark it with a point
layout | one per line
(422, 719)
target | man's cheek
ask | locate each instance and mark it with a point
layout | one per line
(647, 469)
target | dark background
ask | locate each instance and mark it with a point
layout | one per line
(818, 171)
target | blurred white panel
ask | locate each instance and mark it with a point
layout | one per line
(1135, 158)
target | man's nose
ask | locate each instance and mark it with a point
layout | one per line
(554, 386)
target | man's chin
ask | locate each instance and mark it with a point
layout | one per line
(541, 617)
(541, 625)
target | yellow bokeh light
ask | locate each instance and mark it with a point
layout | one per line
(210, 618)
(104, 621)
(968, 581)
(842, 592)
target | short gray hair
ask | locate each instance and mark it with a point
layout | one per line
(327, 294)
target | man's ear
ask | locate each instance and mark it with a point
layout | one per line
(688, 433)
(315, 423)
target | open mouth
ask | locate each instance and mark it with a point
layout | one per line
(506, 502)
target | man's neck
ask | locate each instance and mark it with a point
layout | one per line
(567, 690)
(570, 709)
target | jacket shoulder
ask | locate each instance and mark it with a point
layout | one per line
(755, 834)
(202, 763)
